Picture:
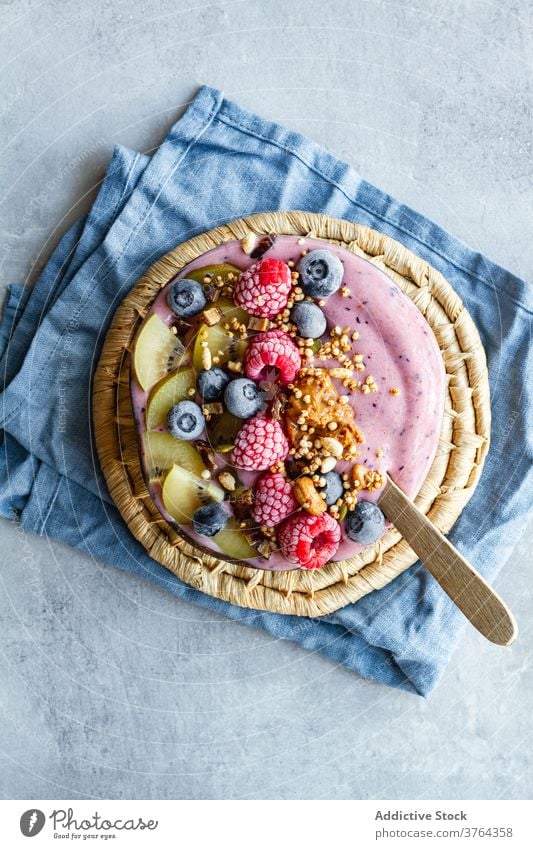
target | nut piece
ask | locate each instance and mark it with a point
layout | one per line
(227, 481)
(211, 291)
(212, 316)
(332, 446)
(207, 454)
(328, 464)
(248, 242)
(341, 372)
(277, 407)
(264, 243)
(359, 473)
(364, 478)
(256, 323)
(250, 534)
(308, 496)
(207, 360)
(265, 549)
(374, 480)
(242, 502)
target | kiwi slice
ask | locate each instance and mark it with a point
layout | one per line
(173, 388)
(233, 542)
(224, 344)
(222, 430)
(222, 269)
(162, 451)
(157, 351)
(230, 311)
(183, 492)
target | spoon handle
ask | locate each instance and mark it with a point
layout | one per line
(466, 588)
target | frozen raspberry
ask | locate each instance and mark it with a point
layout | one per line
(273, 349)
(309, 541)
(259, 444)
(263, 289)
(274, 500)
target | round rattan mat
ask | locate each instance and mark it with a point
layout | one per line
(451, 481)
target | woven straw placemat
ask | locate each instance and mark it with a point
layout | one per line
(451, 481)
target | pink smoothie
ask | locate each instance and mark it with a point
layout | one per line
(401, 431)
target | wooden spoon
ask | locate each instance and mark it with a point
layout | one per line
(470, 592)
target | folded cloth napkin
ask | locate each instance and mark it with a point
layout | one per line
(220, 162)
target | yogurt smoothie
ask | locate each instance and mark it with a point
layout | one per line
(400, 419)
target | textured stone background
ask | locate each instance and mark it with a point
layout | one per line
(109, 687)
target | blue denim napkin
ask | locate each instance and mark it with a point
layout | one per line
(220, 162)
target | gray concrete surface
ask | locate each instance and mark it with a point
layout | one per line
(109, 687)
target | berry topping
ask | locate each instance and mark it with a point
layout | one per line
(186, 298)
(333, 489)
(263, 289)
(309, 319)
(274, 500)
(308, 496)
(242, 398)
(365, 523)
(186, 420)
(321, 273)
(309, 541)
(259, 444)
(209, 519)
(211, 384)
(273, 349)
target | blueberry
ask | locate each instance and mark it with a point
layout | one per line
(365, 524)
(209, 519)
(185, 420)
(321, 273)
(186, 298)
(309, 319)
(333, 489)
(211, 384)
(242, 398)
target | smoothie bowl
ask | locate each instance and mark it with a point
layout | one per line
(256, 388)
(275, 382)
